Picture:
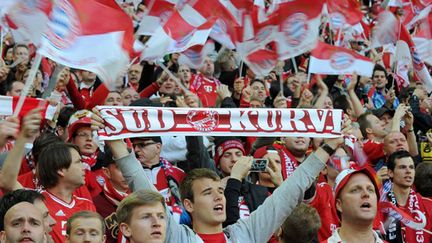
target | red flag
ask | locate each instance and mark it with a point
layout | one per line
(94, 35)
(298, 31)
(344, 12)
(158, 13)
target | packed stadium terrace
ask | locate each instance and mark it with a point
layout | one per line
(216, 121)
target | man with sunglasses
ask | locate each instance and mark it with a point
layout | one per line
(164, 176)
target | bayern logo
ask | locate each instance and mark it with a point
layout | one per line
(263, 34)
(184, 41)
(220, 27)
(64, 25)
(204, 121)
(341, 60)
(295, 28)
(338, 20)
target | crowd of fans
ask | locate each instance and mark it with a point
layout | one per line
(59, 183)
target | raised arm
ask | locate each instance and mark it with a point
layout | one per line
(276, 208)
(137, 180)
(357, 106)
(11, 167)
(323, 93)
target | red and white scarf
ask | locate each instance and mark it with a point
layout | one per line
(288, 162)
(90, 160)
(113, 195)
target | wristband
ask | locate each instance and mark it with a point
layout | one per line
(329, 150)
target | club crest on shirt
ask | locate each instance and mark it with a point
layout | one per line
(64, 26)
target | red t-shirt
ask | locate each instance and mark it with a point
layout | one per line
(29, 181)
(61, 211)
(323, 203)
(205, 89)
(213, 238)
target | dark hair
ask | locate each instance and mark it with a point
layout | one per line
(341, 102)
(257, 81)
(53, 158)
(9, 86)
(14, 197)
(186, 191)
(364, 122)
(423, 179)
(379, 68)
(18, 46)
(64, 116)
(294, 230)
(85, 215)
(41, 142)
(391, 163)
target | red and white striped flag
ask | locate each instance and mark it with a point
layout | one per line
(299, 22)
(158, 13)
(328, 59)
(94, 35)
(8, 104)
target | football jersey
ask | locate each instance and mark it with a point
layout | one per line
(61, 211)
(322, 202)
(205, 89)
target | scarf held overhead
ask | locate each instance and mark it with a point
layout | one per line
(126, 122)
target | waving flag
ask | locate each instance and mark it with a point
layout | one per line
(344, 12)
(27, 19)
(94, 35)
(191, 25)
(163, 42)
(158, 13)
(328, 59)
(8, 105)
(194, 56)
(420, 69)
(298, 22)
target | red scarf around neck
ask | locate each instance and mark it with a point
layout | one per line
(113, 195)
(288, 162)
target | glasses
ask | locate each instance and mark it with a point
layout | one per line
(143, 145)
(84, 135)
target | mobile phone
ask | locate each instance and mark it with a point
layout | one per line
(259, 165)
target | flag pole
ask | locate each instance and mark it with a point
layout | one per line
(28, 83)
(1, 43)
(281, 86)
(241, 68)
(179, 83)
(294, 63)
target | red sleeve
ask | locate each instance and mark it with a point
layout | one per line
(151, 89)
(98, 97)
(374, 151)
(75, 96)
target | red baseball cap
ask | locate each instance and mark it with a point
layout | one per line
(344, 176)
(78, 119)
